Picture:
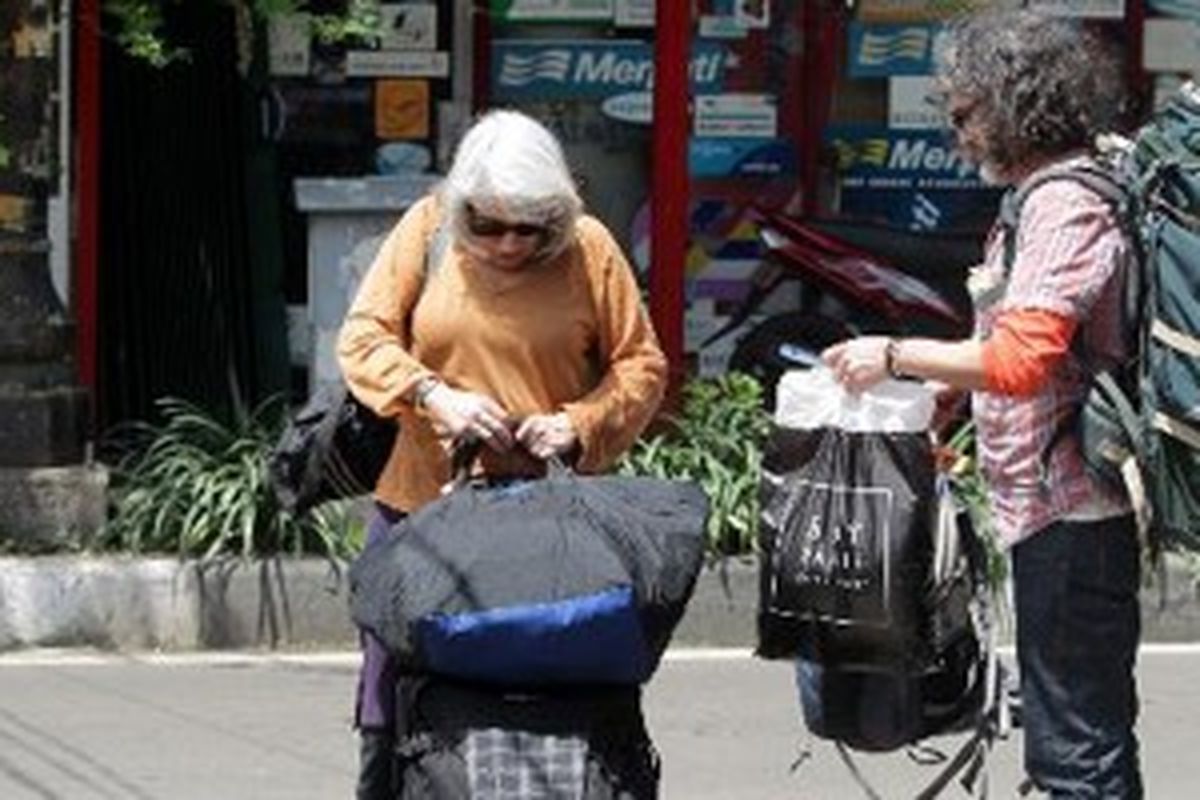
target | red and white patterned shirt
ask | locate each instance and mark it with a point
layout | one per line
(1070, 257)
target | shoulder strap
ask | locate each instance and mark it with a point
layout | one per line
(1103, 183)
(436, 247)
(1094, 178)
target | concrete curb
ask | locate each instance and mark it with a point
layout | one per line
(167, 604)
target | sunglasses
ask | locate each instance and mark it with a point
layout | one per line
(490, 227)
(961, 115)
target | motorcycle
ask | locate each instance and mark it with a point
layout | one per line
(855, 278)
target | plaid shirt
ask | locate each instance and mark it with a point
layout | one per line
(1069, 261)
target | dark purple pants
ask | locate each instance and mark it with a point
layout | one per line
(375, 707)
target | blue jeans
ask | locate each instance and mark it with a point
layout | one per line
(1078, 624)
(375, 706)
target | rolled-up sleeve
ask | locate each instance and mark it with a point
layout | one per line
(373, 344)
(611, 417)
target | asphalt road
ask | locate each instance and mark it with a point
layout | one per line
(78, 726)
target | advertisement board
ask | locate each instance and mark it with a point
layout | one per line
(1090, 9)
(741, 158)
(552, 10)
(735, 115)
(288, 39)
(910, 178)
(634, 13)
(886, 50)
(398, 63)
(407, 27)
(909, 103)
(401, 108)
(914, 10)
(558, 69)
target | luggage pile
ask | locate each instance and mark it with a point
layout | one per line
(525, 617)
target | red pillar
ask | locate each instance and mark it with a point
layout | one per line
(669, 182)
(87, 189)
(481, 46)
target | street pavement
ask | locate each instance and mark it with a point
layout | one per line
(226, 726)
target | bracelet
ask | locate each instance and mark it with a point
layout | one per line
(889, 360)
(423, 388)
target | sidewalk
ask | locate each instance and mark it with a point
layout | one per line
(237, 726)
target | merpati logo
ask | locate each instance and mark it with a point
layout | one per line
(902, 154)
(910, 44)
(620, 66)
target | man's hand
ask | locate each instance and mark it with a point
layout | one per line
(463, 415)
(546, 435)
(860, 363)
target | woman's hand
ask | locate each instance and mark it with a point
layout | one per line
(463, 415)
(860, 363)
(546, 435)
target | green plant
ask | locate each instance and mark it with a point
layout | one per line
(970, 489)
(716, 441)
(195, 486)
(140, 24)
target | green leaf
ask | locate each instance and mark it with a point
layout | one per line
(194, 485)
(716, 441)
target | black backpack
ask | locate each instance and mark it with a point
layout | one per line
(335, 447)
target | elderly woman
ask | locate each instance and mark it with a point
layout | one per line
(526, 331)
(1025, 96)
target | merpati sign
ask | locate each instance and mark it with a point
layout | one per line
(884, 157)
(546, 69)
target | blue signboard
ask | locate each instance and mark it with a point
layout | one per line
(741, 158)
(911, 178)
(882, 50)
(1184, 9)
(547, 69)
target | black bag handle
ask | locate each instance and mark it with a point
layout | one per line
(465, 449)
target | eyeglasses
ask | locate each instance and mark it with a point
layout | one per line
(490, 227)
(961, 115)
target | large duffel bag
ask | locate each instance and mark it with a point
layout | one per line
(563, 580)
(459, 740)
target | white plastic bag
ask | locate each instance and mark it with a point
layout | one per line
(812, 398)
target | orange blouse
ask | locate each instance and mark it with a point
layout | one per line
(567, 335)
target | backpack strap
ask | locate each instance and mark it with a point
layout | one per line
(1092, 177)
(1103, 183)
(436, 247)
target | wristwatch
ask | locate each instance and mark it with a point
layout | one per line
(423, 388)
(889, 360)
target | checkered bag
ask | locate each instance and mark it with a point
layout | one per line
(520, 765)
(458, 741)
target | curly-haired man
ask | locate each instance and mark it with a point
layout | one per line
(1025, 95)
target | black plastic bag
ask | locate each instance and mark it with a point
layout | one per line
(846, 548)
(333, 448)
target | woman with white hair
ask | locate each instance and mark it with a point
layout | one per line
(526, 331)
